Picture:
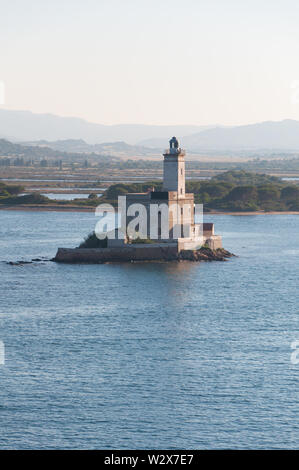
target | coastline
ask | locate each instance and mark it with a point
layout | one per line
(253, 213)
(59, 208)
(49, 208)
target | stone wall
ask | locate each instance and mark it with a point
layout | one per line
(136, 252)
(214, 242)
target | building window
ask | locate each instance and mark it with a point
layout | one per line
(159, 224)
(181, 190)
(181, 171)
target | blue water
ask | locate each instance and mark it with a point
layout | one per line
(67, 197)
(64, 196)
(189, 355)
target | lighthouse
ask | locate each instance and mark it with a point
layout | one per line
(174, 207)
(174, 168)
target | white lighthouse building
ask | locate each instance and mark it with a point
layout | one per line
(175, 207)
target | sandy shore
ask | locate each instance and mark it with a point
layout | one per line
(39, 208)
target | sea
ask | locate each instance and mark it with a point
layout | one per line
(149, 355)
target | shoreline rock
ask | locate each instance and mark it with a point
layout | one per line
(205, 254)
(23, 262)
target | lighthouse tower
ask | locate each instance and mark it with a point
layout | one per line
(174, 169)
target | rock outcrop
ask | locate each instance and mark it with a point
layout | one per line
(205, 254)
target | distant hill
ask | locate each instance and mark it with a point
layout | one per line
(80, 146)
(281, 135)
(161, 143)
(10, 149)
(25, 125)
(77, 135)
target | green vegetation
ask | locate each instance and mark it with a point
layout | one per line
(92, 241)
(34, 198)
(229, 191)
(10, 190)
(120, 189)
(9, 195)
(244, 191)
(242, 177)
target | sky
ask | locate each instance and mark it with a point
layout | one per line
(202, 62)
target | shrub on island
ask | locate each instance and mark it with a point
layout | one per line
(34, 198)
(92, 241)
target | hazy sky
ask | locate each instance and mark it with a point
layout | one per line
(152, 61)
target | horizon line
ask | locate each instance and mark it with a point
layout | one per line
(44, 113)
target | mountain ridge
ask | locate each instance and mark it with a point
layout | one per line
(264, 135)
(29, 126)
